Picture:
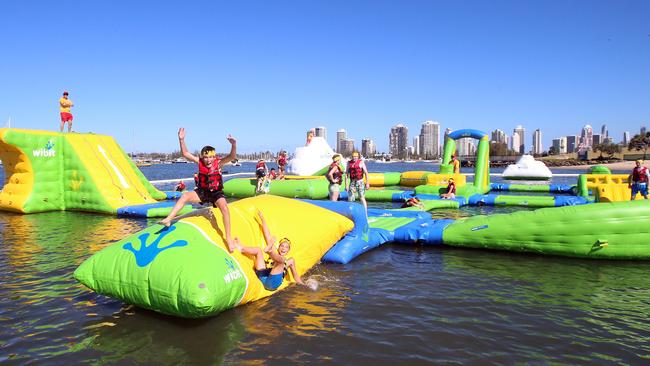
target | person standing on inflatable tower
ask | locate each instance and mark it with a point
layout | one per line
(64, 106)
(209, 182)
(356, 173)
(334, 176)
(638, 180)
(454, 161)
(282, 162)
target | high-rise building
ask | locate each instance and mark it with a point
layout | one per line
(537, 142)
(320, 131)
(368, 148)
(515, 143)
(559, 145)
(499, 136)
(597, 139)
(398, 141)
(416, 145)
(572, 142)
(642, 131)
(430, 140)
(340, 136)
(347, 147)
(586, 137)
(603, 132)
(466, 146)
(626, 138)
(521, 146)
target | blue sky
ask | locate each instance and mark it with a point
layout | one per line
(267, 71)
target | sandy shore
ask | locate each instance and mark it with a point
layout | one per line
(623, 165)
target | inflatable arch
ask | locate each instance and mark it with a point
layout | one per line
(482, 169)
(51, 171)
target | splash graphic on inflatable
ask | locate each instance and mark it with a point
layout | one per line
(147, 253)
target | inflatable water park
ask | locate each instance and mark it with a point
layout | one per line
(187, 269)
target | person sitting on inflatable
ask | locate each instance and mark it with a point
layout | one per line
(260, 173)
(271, 277)
(334, 176)
(282, 162)
(413, 202)
(209, 182)
(451, 190)
(638, 180)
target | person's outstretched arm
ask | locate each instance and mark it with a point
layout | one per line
(181, 141)
(233, 152)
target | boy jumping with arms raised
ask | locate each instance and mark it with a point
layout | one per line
(209, 183)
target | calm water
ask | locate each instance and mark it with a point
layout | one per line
(397, 304)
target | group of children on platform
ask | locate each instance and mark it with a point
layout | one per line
(265, 176)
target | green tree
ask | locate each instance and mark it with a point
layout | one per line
(552, 150)
(607, 148)
(498, 148)
(640, 142)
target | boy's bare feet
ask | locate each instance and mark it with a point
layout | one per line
(231, 245)
(237, 244)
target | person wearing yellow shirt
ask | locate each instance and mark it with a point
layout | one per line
(66, 116)
(455, 163)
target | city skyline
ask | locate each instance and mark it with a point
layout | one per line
(526, 144)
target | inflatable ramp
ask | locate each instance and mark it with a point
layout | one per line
(51, 171)
(186, 270)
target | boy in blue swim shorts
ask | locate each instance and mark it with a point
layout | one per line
(271, 277)
(638, 180)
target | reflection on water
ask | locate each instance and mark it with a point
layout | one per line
(398, 304)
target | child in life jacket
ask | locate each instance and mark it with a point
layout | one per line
(209, 182)
(355, 185)
(282, 162)
(638, 180)
(451, 190)
(273, 275)
(273, 175)
(335, 177)
(260, 173)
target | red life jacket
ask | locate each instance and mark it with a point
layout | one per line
(336, 174)
(209, 178)
(640, 174)
(260, 165)
(282, 161)
(355, 170)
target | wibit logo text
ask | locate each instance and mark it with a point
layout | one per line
(47, 152)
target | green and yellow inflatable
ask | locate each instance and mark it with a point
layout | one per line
(186, 270)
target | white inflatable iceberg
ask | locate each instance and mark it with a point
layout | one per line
(312, 159)
(527, 168)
